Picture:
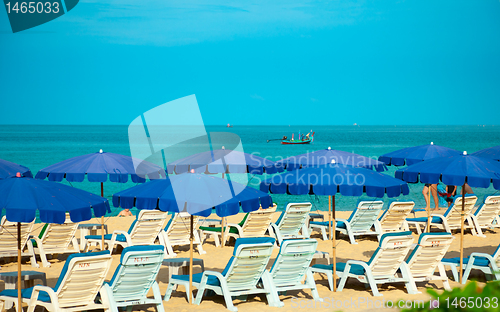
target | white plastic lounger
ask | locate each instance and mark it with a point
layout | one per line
(427, 256)
(486, 216)
(143, 231)
(76, 289)
(55, 239)
(254, 224)
(361, 221)
(489, 264)
(292, 222)
(291, 271)
(241, 276)
(451, 219)
(8, 239)
(394, 218)
(382, 268)
(177, 233)
(134, 277)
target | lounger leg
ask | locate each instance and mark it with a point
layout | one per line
(373, 286)
(343, 278)
(454, 271)
(351, 238)
(411, 288)
(107, 298)
(311, 283)
(273, 299)
(405, 226)
(31, 250)
(467, 270)
(157, 297)
(43, 256)
(442, 273)
(168, 293)
(323, 232)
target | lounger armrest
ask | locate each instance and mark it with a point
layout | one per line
(358, 262)
(343, 220)
(480, 254)
(237, 226)
(439, 216)
(213, 273)
(52, 294)
(124, 233)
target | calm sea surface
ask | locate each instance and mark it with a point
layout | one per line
(40, 146)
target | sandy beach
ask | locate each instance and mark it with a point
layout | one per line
(216, 258)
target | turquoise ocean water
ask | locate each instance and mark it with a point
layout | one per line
(40, 146)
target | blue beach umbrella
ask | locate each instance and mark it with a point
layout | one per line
(98, 167)
(326, 156)
(195, 194)
(333, 179)
(20, 198)
(412, 155)
(492, 153)
(9, 169)
(454, 170)
(224, 161)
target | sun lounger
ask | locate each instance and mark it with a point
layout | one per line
(361, 221)
(143, 231)
(385, 266)
(394, 218)
(292, 222)
(486, 216)
(426, 257)
(134, 277)
(291, 271)
(8, 239)
(254, 224)
(55, 239)
(489, 264)
(177, 232)
(451, 219)
(243, 273)
(76, 289)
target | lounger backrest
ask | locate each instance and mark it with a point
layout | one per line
(136, 273)
(148, 225)
(59, 235)
(489, 210)
(8, 236)
(81, 278)
(453, 214)
(395, 215)
(363, 218)
(178, 229)
(294, 258)
(258, 222)
(392, 250)
(249, 260)
(293, 218)
(429, 251)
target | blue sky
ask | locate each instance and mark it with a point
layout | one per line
(257, 62)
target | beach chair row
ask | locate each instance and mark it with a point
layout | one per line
(365, 219)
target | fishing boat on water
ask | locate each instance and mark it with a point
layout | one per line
(303, 139)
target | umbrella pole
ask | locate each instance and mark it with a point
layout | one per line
(19, 300)
(334, 247)
(102, 220)
(428, 228)
(222, 223)
(191, 260)
(329, 216)
(462, 233)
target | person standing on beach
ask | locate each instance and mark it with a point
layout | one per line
(425, 192)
